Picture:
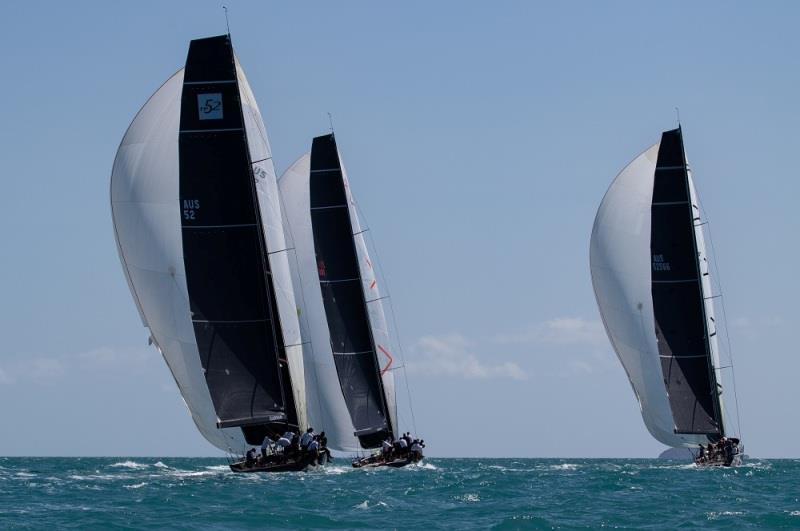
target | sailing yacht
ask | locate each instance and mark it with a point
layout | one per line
(349, 365)
(652, 281)
(199, 231)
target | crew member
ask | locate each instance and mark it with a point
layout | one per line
(307, 437)
(266, 444)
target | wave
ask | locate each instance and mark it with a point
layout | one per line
(99, 477)
(365, 505)
(564, 466)
(136, 486)
(130, 464)
(713, 515)
(159, 464)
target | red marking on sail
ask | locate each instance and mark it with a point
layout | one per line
(372, 286)
(391, 359)
(369, 263)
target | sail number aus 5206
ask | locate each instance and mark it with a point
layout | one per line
(190, 206)
(659, 264)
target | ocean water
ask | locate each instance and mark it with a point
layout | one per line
(152, 493)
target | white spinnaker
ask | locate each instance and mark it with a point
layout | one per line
(272, 221)
(145, 209)
(377, 317)
(327, 409)
(620, 263)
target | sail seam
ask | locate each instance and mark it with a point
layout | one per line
(230, 321)
(328, 207)
(222, 130)
(220, 226)
(209, 82)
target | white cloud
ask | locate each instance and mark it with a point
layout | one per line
(451, 355)
(4, 377)
(559, 331)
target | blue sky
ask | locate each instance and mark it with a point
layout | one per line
(479, 140)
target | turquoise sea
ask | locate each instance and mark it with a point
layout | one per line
(153, 493)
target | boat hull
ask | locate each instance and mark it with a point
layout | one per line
(275, 465)
(373, 462)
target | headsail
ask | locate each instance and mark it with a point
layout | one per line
(189, 224)
(653, 293)
(349, 351)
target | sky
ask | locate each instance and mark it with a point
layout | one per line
(479, 139)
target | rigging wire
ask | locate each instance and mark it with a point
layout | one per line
(388, 296)
(724, 315)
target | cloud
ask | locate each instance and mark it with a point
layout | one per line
(4, 377)
(451, 355)
(559, 331)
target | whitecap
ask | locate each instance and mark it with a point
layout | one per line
(93, 477)
(425, 466)
(336, 470)
(564, 466)
(794, 513)
(716, 515)
(25, 475)
(362, 505)
(129, 464)
(159, 464)
(136, 486)
(471, 498)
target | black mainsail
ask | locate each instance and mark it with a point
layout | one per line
(682, 334)
(231, 292)
(340, 279)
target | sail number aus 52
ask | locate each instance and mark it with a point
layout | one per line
(190, 207)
